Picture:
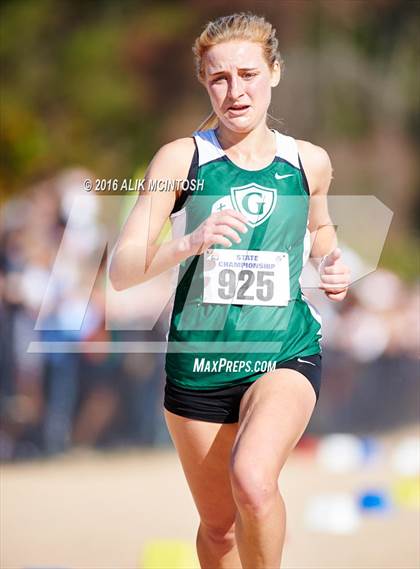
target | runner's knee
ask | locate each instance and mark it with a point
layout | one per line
(218, 533)
(253, 489)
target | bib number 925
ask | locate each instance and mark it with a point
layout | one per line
(229, 281)
(259, 278)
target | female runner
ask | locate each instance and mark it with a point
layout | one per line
(243, 362)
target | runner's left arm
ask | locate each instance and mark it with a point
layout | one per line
(325, 255)
(318, 170)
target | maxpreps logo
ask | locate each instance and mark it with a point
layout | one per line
(256, 202)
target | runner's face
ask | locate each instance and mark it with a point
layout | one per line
(237, 75)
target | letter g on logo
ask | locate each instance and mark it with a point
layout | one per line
(259, 205)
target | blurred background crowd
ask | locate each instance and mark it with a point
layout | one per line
(92, 90)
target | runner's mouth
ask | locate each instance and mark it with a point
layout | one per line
(238, 107)
(238, 111)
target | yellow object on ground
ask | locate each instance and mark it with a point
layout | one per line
(169, 554)
(406, 492)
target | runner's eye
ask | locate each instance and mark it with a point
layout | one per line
(218, 79)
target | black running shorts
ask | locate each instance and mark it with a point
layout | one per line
(221, 405)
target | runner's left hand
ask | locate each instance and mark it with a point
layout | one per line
(335, 276)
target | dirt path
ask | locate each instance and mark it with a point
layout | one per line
(89, 510)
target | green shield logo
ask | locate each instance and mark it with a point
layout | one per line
(256, 202)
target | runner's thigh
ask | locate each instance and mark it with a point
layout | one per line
(274, 414)
(204, 450)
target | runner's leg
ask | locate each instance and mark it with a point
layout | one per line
(274, 413)
(204, 451)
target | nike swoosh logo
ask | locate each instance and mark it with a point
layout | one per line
(306, 362)
(278, 177)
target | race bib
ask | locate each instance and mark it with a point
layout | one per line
(246, 277)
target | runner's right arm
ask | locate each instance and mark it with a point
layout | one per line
(139, 254)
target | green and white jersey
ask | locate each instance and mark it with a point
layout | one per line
(238, 310)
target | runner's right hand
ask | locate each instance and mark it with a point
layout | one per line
(215, 229)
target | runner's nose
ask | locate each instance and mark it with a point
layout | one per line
(235, 88)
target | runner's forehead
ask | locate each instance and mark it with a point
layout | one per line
(223, 70)
(234, 55)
